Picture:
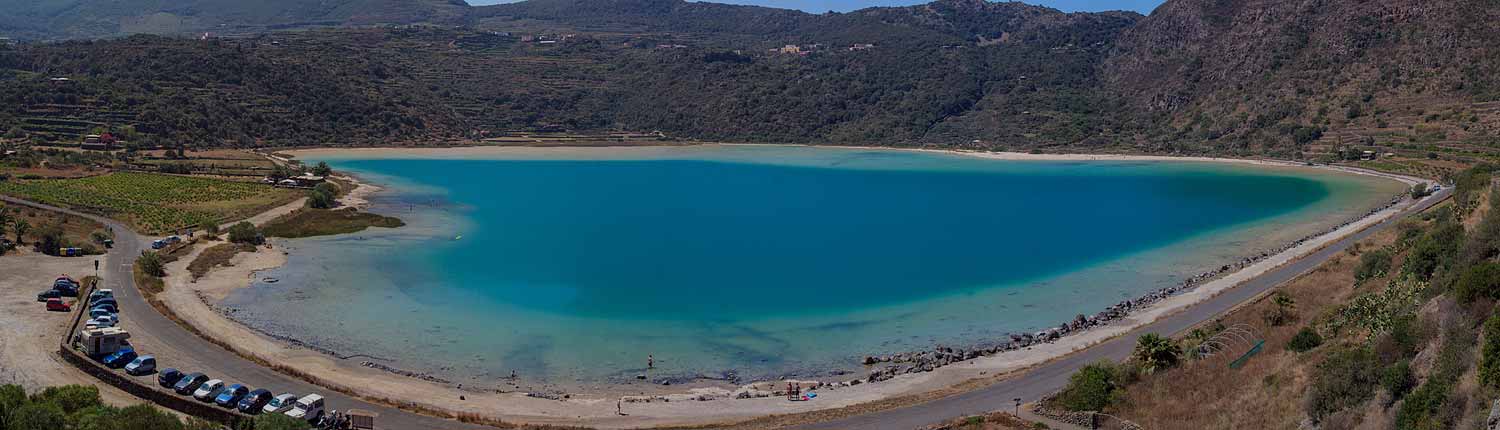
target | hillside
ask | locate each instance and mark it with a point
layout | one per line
(74, 19)
(1263, 75)
(1257, 77)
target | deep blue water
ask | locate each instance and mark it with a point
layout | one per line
(687, 239)
(761, 260)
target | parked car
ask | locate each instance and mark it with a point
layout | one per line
(209, 390)
(93, 313)
(67, 286)
(281, 403)
(106, 301)
(168, 378)
(187, 384)
(119, 358)
(103, 293)
(49, 294)
(231, 395)
(142, 365)
(173, 239)
(102, 321)
(158, 244)
(56, 304)
(309, 407)
(254, 402)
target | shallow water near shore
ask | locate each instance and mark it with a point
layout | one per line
(571, 266)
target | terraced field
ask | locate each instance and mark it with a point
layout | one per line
(154, 203)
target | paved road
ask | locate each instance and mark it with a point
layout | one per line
(1052, 376)
(153, 333)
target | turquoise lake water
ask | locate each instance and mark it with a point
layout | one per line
(761, 261)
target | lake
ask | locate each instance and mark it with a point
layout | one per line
(760, 261)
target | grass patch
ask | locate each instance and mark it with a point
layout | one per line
(309, 222)
(215, 256)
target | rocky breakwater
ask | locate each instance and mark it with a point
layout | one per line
(889, 366)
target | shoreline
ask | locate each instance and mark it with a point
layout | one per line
(941, 369)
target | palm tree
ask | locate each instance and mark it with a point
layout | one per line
(21, 228)
(1155, 352)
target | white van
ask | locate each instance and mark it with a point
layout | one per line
(309, 407)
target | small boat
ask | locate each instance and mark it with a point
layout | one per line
(459, 237)
(269, 280)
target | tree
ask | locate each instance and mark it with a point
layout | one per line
(322, 169)
(21, 227)
(1397, 381)
(1155, 352)
(322, 196)
(37, 416)
(71, 398)
(1092, 387)
(12, 397)
(151, 264)
(49, 238)
(245, 232)
(1419, 190)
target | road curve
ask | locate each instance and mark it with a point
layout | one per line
(141, 319)
(1052, 376)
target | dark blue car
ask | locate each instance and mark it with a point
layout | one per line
(120, 359)
(255, 401)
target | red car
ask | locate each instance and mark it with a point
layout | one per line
(56, 304)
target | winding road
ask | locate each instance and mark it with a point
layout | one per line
(1052, 376)
(150, 328)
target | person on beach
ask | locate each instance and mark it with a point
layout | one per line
(650, 361)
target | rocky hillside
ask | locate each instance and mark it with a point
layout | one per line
(74, 19)
(1270, 75)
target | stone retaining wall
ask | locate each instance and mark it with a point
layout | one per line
(161, 397)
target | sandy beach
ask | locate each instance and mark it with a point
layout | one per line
(682, 405)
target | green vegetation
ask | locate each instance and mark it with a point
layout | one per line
(1397, 380)
(78, 407)
(1094, 386)
(1346, 378)
(245, 233)
(1373, 264)
(1154, 352)
(155, 203)
(322, 196)
(1305, 340)
(1489, 365)
(323, 222)
(150, 263)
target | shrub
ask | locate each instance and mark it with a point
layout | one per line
(1489, 362)
(1155, 352)
(71, 398)
(1372, 264)
(1397, 380)
(1481, 280)
(278, 422)
(1346, 378)
(1305, 340)
(1281, 310)
(1093, 387)
(151, 264)
(37, 416)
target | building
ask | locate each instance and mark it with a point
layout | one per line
(307, 180)
(96, 142)
(1367, 155)
(861, 46)
(790, 49)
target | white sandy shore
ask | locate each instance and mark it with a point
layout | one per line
(193, 300)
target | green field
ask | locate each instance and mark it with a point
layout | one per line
(154, 203)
